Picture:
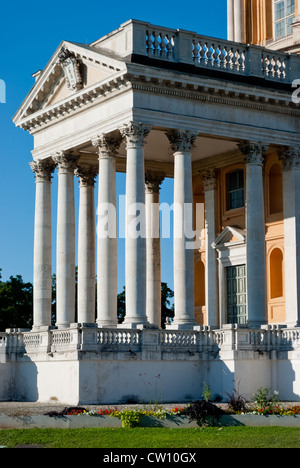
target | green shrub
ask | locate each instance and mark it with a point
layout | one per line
(203, 412)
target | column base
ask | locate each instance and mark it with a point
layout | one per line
(182, 326)
(138, 325)
(256, 324)
(62, 326)
(293, 325)
(42, 328)
(106, 324)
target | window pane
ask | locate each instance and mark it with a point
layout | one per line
(235, 190)
(289, 29)
(290, 7)
(284, 12)
(280, 29)
(236, 294)
(279, 11)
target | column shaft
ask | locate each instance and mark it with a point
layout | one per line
(86, 247)
(184, 298)
(230, 20)
(153, 252)
(107, 280)
(211, 288)
(65, 261)
(135, 246)
(255, 236)
(239, 20)
(291, 213)
(42, 287)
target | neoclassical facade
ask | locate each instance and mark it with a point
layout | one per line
(218, 118)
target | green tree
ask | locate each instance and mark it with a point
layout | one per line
(167, 309)
(16, 303)
(121, 312)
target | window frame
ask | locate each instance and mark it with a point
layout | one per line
(230, 208)
(284, 19)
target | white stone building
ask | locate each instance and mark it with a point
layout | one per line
(216, 116)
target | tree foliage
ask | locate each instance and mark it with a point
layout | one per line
(167, 309)
(16, 303)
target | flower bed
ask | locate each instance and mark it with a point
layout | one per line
(199, 413)
(129, 417)
(277, 411)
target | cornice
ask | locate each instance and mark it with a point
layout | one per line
(53, 74)
(208, 91)
(84, 99)
(236, 96)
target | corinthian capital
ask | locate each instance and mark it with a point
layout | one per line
(107, 144)
(135, 133)
(86, 175)
(65, 161)
(43, 169)
(253, 151)
(209, 179)
(181, 140)
(153, 182)
(290, 158)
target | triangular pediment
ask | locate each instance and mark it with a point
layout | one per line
(230, 235)
(72, 69)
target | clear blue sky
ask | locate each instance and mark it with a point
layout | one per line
(30, 33)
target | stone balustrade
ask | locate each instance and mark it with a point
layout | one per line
(204, 341)
(181, 46)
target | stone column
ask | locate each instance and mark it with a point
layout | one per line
(255, 235)
(211, 288)
(230, 20)
(184, 297)
(239, 20)
(86, 246)
(42, 283)
(65, 259)
(107, 281)
(135, 248)
(291, 214)
(153, 253)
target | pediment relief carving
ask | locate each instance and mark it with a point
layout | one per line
(90, 76)
(67, 73)
(71, 69)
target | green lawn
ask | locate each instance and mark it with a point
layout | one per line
(210, 437)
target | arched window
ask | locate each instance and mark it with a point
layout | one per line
(235, 189)
(276, 273)
(275, 189)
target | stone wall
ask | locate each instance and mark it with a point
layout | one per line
(87, 365)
